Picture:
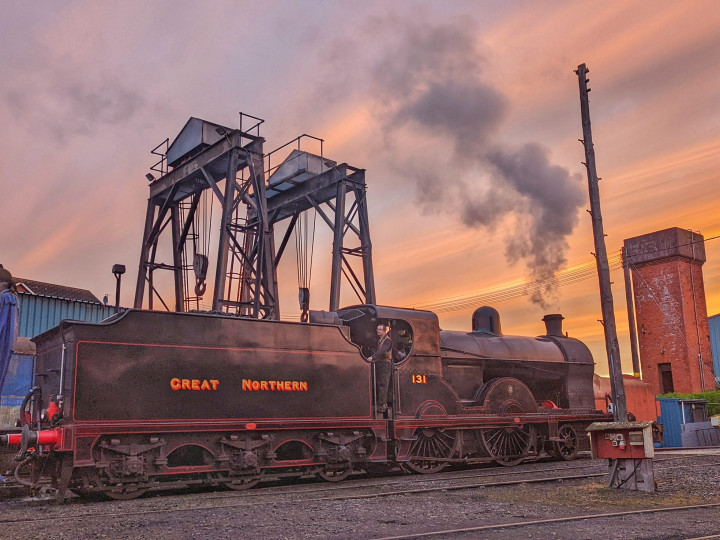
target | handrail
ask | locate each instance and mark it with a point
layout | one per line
(269, 170)
(260, 121)
(161, 166)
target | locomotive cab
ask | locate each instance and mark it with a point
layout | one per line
(418, 387)
(362, 322)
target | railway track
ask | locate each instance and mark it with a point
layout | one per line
(311, 492)
(554, 521)
(313, 486)
(15, 520)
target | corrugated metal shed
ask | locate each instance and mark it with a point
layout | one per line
(714, 324)
(40, 313)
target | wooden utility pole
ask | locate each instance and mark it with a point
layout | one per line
(606, 298)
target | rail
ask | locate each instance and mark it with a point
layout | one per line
(161, 166)
(255, 126)
(269, 169)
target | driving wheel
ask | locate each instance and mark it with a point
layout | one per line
(509, 445)
(430, 450)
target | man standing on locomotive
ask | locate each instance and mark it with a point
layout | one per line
(383, 367)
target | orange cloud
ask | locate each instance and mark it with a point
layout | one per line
(61, 239)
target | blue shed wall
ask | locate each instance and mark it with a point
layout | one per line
(41, 313)
(714, 324)
(674, 413)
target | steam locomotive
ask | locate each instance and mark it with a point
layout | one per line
(149, 400)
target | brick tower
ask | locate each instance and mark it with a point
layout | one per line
(673, 333)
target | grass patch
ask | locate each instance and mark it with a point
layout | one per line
(594, 496)
(712, 397)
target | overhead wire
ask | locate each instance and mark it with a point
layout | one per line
(505, 292)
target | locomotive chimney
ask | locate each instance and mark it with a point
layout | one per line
(553, 324)
(486, 320)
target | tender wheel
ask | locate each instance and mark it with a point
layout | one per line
(507, 446)
(566, 449)
(330, 474)
(241, 483)
(431, 445)
(125, 492)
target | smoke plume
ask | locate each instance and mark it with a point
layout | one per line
(432, 84)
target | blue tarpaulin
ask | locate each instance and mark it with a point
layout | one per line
(8, 331)
(18, 380)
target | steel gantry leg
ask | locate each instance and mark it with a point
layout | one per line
(224, 243)
(365, 244)
(177, 259)
(337, 247)
(144, 252)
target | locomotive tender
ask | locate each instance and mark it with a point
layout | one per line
(152, 399)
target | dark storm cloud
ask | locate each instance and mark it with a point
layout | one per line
(66, 99)
(68, 108)
(103, 103)
(432, 82)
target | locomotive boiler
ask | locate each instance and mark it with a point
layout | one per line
(150, 400)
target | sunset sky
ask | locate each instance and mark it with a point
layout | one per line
(465, 115)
